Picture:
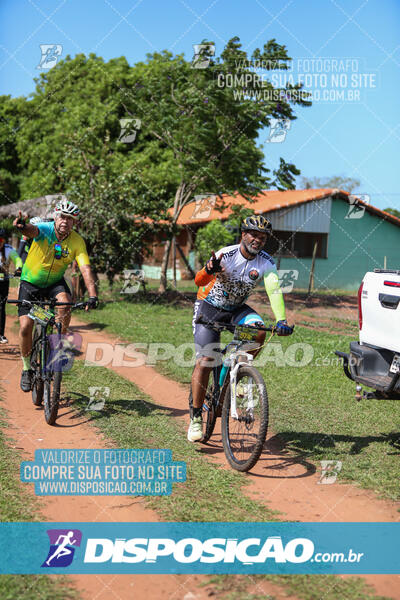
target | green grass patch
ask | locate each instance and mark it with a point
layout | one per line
(315, 413)
(326, 292)
(349, 325)
(131, 420)
(16, 504)
(312, 406)
(321, 324)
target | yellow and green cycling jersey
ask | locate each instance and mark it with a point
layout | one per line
(48, 258)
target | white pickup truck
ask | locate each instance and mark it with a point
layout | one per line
(374, 361)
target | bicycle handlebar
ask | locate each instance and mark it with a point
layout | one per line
(49, 303)
(220, 325)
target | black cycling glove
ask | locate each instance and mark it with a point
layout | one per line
(93, 302)
(215, 264)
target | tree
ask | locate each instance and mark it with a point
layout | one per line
(114, 203)
(208, 129)
(11, 117)
(70, 144)
(74, 103)
(393, 211)
(195, 135)
(212, 237)
(7, 225)
(216, 234)
(341, 182)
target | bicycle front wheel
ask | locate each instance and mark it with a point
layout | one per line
(243, 434)
(51, 397)
(37, 383)
(52, 388)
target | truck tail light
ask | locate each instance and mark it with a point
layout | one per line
(360, 320)
(392, 283)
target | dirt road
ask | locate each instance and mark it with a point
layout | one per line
(282, 481)
(29, 431)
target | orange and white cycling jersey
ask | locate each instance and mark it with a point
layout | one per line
(231, 287)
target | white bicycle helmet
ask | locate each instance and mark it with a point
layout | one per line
(66, 207)
(36, 220)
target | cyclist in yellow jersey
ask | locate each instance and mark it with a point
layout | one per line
(55, 245)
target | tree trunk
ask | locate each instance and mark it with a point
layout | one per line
(164, 266)
(174, 259)
(311, 280)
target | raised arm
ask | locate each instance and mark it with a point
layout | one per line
(27, 229)
(207, 273)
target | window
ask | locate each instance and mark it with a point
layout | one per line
(304, 244)
(297, 244)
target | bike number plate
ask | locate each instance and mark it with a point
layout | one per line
(395, 366)
(247, 334)
(38, 313)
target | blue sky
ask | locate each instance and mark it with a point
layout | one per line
(358, 138)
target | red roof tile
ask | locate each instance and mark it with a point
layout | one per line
(268, 201)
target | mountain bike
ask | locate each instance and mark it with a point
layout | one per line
(237, 392)
(48, 357)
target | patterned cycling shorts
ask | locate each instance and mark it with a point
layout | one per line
(206, 340)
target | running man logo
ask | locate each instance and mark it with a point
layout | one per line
(202, 55)
(278, 129)
(357, 208)
(132, 279)
(287, 279)
(62, 547)
(129, 129)
(204, 203)
(62, 351)
(50, 55)
(329, 471)
(97, 397)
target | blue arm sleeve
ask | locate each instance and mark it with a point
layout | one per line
(45, 231)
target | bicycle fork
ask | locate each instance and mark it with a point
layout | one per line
(236, 363)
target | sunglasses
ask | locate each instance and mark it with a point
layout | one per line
(57, 251)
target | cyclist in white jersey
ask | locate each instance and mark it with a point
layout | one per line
(225, 283)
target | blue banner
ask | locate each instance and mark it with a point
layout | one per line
(92, 472)
(155, 548)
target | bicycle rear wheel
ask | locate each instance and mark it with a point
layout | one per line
(243, 436)
(37, 383)
(209, 414)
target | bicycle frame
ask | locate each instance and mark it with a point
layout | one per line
(45, 330)
(237, 358)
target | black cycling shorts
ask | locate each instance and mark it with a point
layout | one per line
(28, 291)
(207, 340)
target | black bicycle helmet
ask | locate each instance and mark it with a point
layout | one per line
(256, 223)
